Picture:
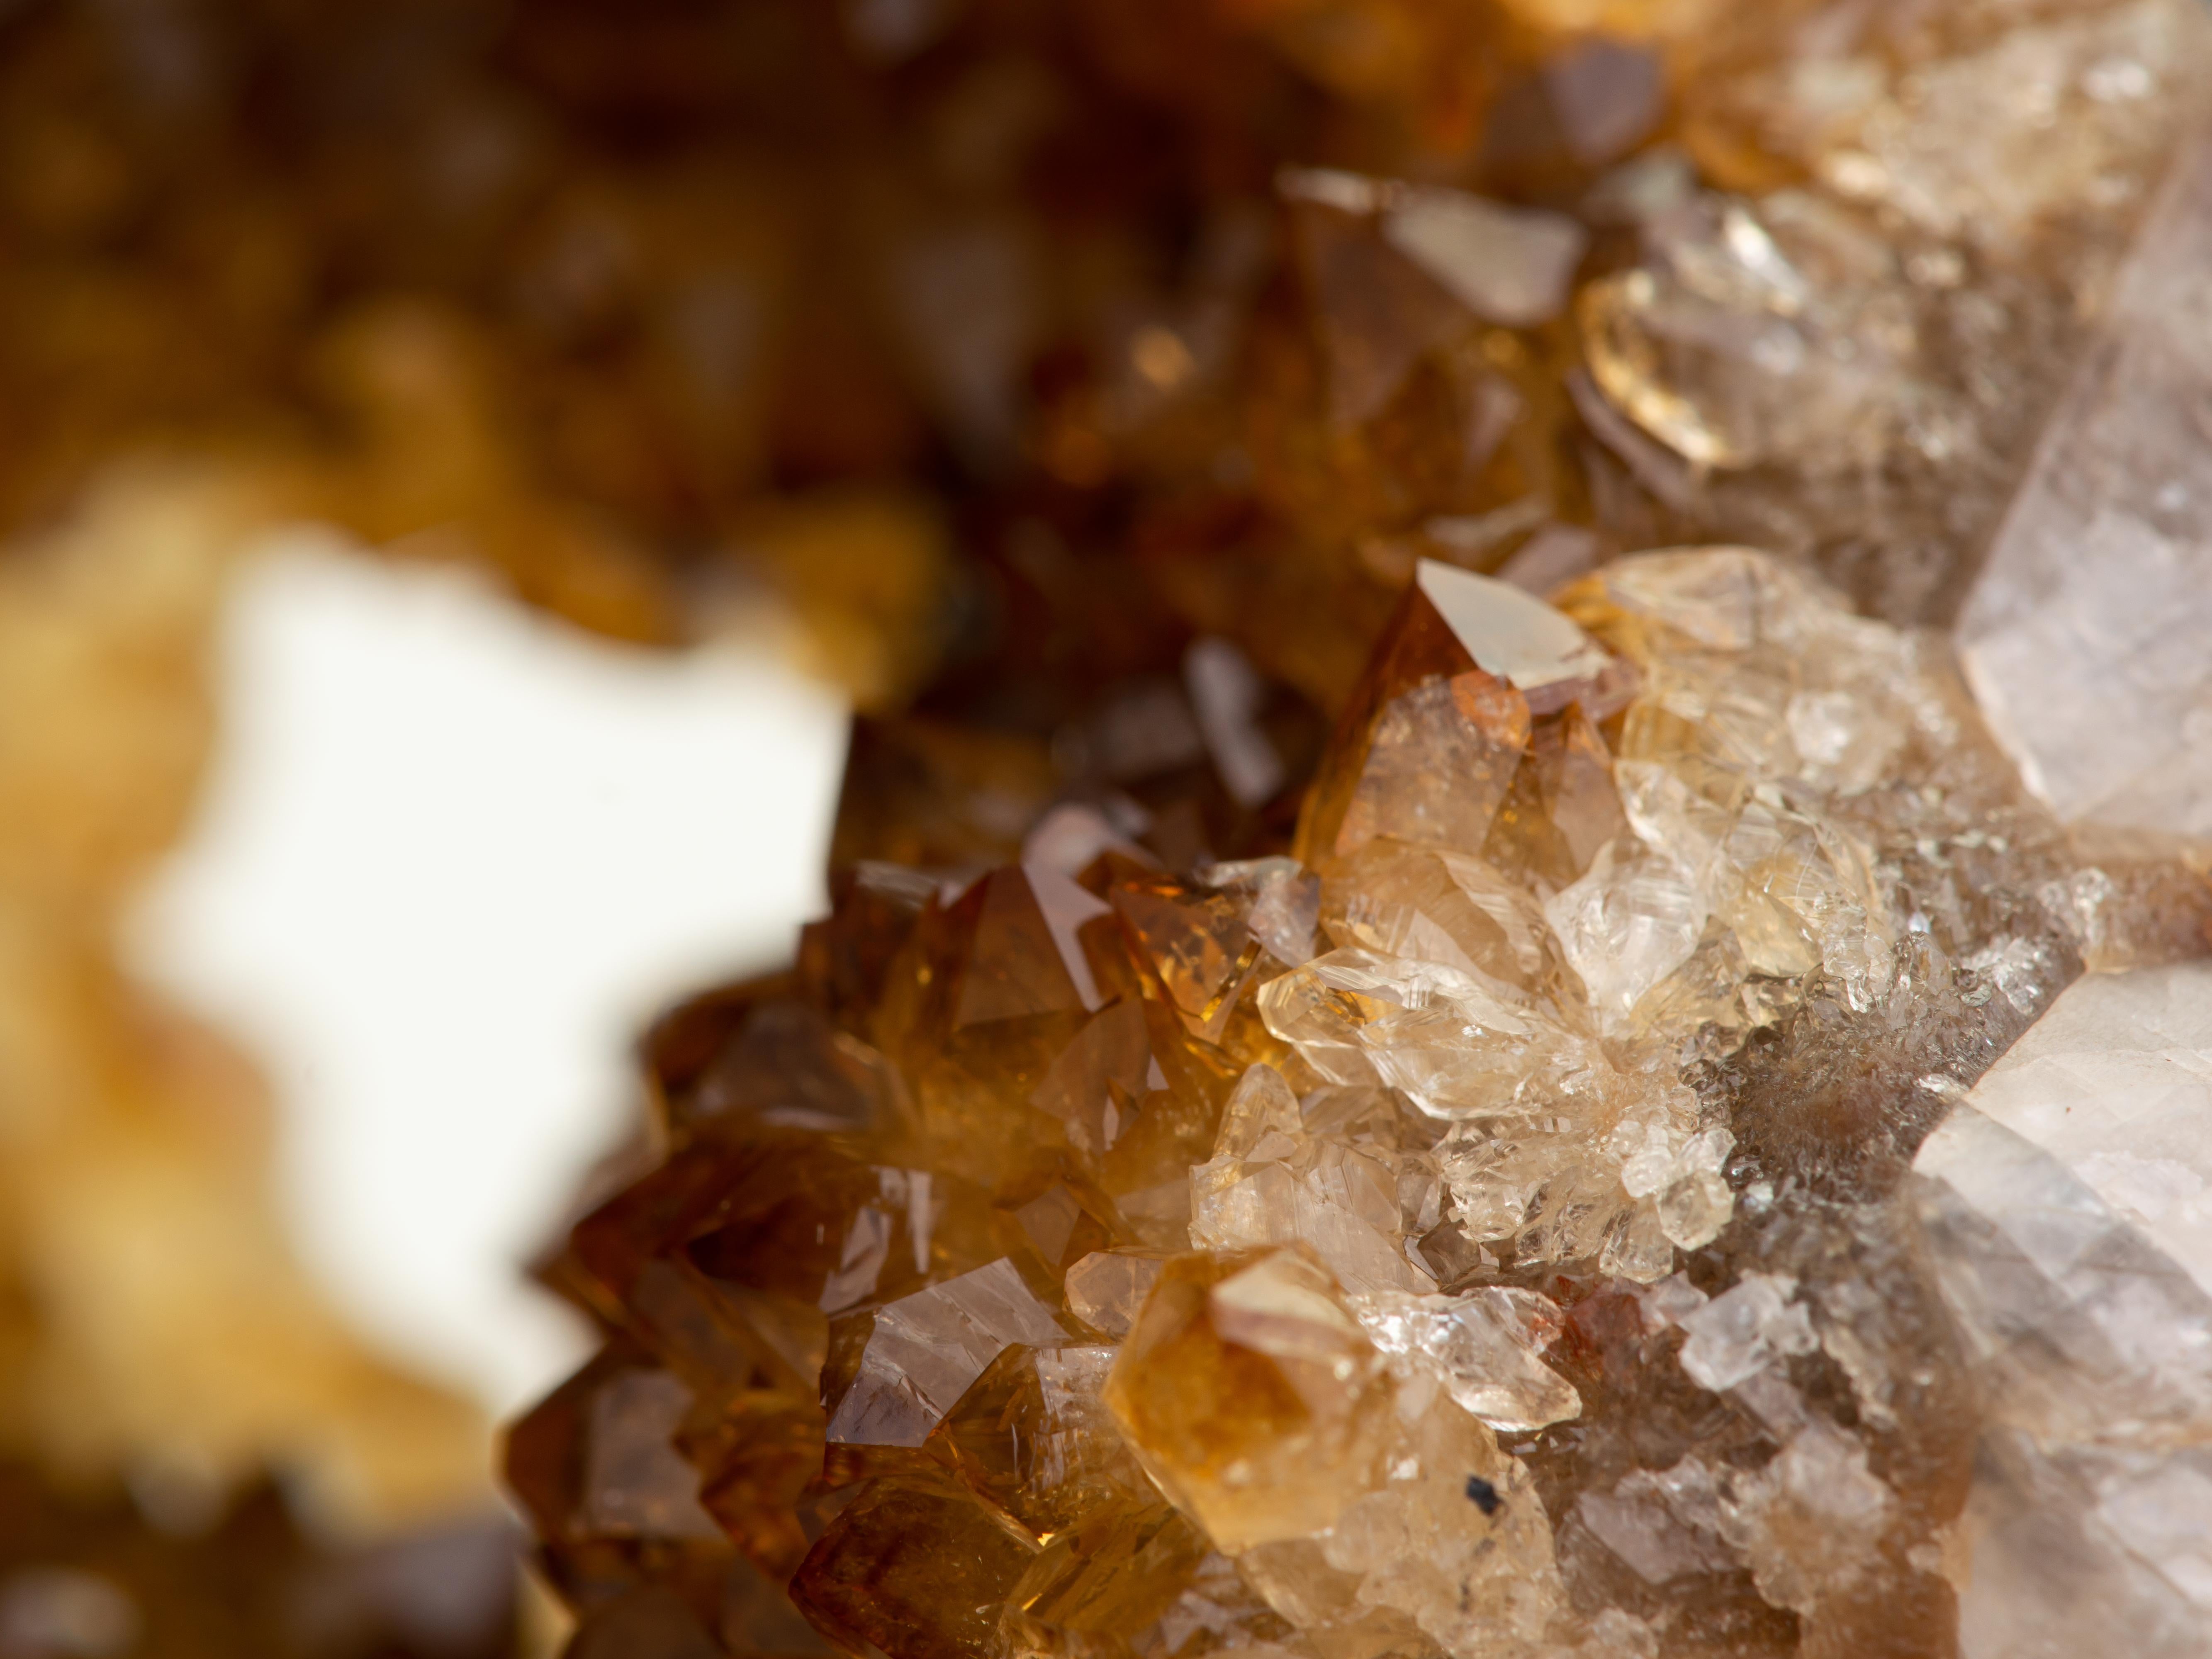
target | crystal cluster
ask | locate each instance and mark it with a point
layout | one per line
(1463, 1184)
(1492, 1178)
(1483, 1230)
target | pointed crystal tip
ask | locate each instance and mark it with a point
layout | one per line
(1508, 631)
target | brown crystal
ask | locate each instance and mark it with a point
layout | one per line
(1032, 1435)
(1251, 1395)
(915, 1566)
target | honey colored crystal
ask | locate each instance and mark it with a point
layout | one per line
(1251, 1395)
(912, 1565)
(1032, 1435)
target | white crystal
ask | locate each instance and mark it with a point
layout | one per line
(2073, 1550)
(1670, 1300)
(1734, 1336)
(1810, 1523)
(1508, 265)
(1227, 694)
(2085, 635)
(1629, 922)
(2063, 1207)
(2115, 1083)
(2083, 1329)
(1663, 1525)
(1508, 632)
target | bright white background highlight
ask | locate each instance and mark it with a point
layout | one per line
(450, 858)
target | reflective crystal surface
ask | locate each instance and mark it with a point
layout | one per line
(2062, 1201)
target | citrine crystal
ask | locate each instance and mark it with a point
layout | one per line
(1510, 1171)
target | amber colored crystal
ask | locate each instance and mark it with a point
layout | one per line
(1484, 1242)
(1562, 808)
(1486, 1229)
(913, 1566)
(612, 1498)
(1429, 746)
(1107, 1289)
(1421, 656)
(1056, 1220)
(1032, 1435)
(1251, 1395)
(1196, 945)
(918, 794)
(653, 1621)
(1108, 1584)
(757, 1455)
(1379, 311)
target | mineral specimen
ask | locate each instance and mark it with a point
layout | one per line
(1490, 1235)
(1508, 1194)
(1210, 1185)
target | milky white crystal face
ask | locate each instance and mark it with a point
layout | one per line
(2085, 635)
(2063, 1207)
(1513, 634)
(2115, 1083)
(1508, 265)
(927, 1348)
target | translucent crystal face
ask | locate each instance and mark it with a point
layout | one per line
(1780, 334)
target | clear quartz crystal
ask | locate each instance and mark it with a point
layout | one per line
(1664, 1524)
(1454, 1041)
(1487, 1348)
(1443, 759)
(1106, 1288)
(2063, 1200)
(1737, 1336)
(927, 1348)
(1762, 332)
